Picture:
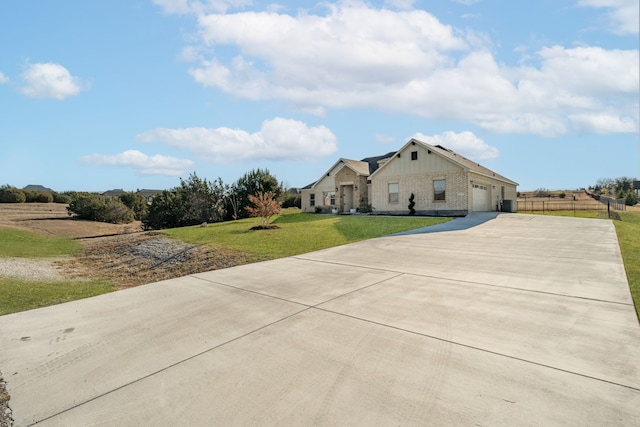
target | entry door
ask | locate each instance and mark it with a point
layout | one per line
(481, 198)
(348, 197)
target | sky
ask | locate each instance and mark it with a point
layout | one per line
(131, 94)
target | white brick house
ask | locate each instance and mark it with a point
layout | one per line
(443, 183)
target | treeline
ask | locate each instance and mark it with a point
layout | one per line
(10, 194)
(619, 188)
(194, 201)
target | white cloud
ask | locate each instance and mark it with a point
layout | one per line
(49, 80)
(3, 79)
(197, 7)
(465, 143)
(278, 139)
(357, 56)
(142, 163)
(400, 4)
(622, 15)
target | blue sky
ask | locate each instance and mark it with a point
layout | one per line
(96, 95)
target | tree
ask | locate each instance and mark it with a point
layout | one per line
(264, 206)
(412, 204)
(254, 182)
(137, 203)
(196, 201)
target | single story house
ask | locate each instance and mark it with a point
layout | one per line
(442, 182)
(636, 187)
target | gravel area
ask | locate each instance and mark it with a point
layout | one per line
(5, 412)
(29, 269)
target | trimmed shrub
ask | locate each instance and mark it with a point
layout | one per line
(12, 195)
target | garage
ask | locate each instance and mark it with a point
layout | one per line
(481, 198)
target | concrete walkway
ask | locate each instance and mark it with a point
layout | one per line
(507, 320)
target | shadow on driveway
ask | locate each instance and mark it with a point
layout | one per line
(472, 220)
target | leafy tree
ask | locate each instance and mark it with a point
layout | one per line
(10, 194)
(165, 211)
(254, 182)
(137, 203)
(196, 201)
(264, 206)
(412, 204)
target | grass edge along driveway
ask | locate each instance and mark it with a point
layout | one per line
(298, 233)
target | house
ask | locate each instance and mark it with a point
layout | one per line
(148, 194)
(443, 183)
(636, 187)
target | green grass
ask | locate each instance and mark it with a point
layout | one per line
(25, 244)
(20, 295)
(628, 231)
(298, 233)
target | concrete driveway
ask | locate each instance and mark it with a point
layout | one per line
(491, 320)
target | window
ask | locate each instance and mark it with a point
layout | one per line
(312, 199)
(439, 189)
(329, 198)
(393, 193)
(414, 155)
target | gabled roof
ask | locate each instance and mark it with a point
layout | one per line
(457, 159)
(364, 167)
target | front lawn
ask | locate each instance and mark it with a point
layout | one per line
(298, 233)
(628, 231)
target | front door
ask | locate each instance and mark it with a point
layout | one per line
(347, 191)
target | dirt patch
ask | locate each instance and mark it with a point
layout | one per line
(5, 410)
(123, 254)
(136, 259)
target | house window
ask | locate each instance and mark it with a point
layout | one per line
(312, 199)
(439, 188)
(414, 155)
(329, 198)
(393, 193)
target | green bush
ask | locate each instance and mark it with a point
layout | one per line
(61, 198)
(12, 195)
(631, 199)
(292, 201)
(38, 196)
(93, 207)
(137, 203)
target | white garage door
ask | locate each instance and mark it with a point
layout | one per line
(481, 198)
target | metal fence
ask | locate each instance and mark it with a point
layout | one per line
(605, 204)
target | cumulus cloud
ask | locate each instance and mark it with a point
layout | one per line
(465, 143)
(142, 163)
(3, 79)
(622, 15)
(49, 80)
(278, 139)
(407, 61)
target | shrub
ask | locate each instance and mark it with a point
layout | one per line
(12, 195)
(137, 203)
(562, 195)
(264, 206)
(318, 210)
(412, 204)
(93, 207)
(61, 198)
(292, 201)
(39, 197)
(631, 199)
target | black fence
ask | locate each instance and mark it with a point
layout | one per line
(604, 204)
